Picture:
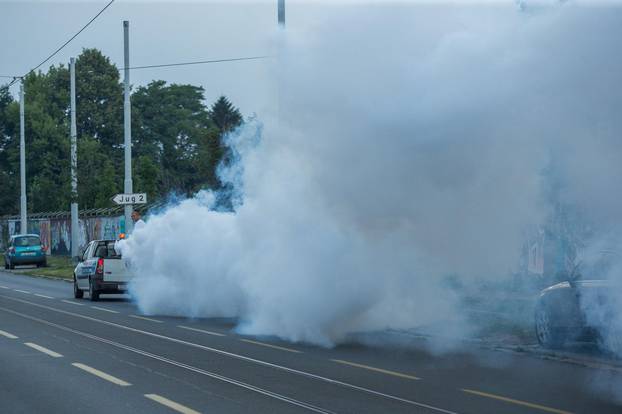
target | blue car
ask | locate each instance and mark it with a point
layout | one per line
(24, 249)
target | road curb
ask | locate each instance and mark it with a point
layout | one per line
(528, 349)
(567, 357)
(39, 276)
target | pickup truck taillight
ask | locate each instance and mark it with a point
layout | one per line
(100, 267)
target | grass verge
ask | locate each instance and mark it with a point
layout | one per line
(58, 266)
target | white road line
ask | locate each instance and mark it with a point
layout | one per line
(145, 319)
(171, 404)
(208, 349)
(72, 302)
(101, 374)
(200, 330)
(383, 371)
(22, 291)
(517, 402)
(4, 287)
(43, 349)
(7, 335)
(104, 309)
(280, 348)
(43, 296)
(232, 381)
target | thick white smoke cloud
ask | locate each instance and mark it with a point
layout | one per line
(410, 144)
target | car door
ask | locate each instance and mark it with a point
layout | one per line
(82, 273)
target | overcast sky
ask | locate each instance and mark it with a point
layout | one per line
(160, 32)
(174, 31)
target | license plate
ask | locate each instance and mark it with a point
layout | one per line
(28, 254)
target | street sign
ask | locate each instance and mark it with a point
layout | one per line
(123, 199)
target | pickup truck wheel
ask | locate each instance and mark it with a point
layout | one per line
(77, 292)
(93, 293)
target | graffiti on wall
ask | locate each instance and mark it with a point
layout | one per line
(110, 227)
(56, 233)
(44, 234)
(102, 228)
(61, 236)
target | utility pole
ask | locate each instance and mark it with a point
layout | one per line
(74, 163)
(279, 52)
(22, 161)
(127, 188)
(281, 13)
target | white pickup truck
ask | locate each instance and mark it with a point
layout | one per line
(100, 270)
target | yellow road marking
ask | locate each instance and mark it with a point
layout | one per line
(271, 346)
(43, 296)
(384, 371)
(43, 349)
(145, 319)
(171, 404)
(8, 335)
(72, 302)
(201, 330)
(104, 309)
(517, 402)
(22, 291)
(101, 374)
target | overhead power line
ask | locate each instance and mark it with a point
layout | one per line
(64, 44)
(199, 62)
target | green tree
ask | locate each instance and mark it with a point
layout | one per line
(226, 116)
(8, 202)
(99, 99)
(209, 154)
(145, 176)
(177, 139)
(97, 177)
(171, 122)
(46, 141)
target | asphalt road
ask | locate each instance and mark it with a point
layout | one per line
(62, 355)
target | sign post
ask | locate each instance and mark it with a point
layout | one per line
(127, 125)
(129, 199)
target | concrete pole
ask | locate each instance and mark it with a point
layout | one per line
(280, 45)
(281, 13)
(127, 188)
(22, 161)
(75, 227)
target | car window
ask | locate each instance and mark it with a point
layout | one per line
(27, 241)
(101, 251)
(85, 255)
(111, 251)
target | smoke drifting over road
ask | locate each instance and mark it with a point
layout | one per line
(410, 144)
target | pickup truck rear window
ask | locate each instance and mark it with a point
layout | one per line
(105, 250)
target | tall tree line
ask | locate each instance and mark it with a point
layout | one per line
(177, 139)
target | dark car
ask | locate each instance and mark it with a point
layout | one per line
(581, 309)
(25, 249)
